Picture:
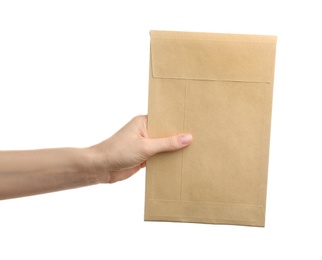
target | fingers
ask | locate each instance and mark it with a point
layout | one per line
(169, 144)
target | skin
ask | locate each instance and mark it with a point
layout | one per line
(25, 173)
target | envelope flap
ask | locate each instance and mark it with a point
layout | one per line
(203, 56)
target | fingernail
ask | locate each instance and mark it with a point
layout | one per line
(185, 139)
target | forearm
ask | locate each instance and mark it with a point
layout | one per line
(24, 173)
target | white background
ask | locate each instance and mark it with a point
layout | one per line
(73, 72)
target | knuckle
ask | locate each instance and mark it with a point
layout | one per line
(146, 149)
(170, 143)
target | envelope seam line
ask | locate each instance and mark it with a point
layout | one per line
(208, 202)
(183, 130)
(215, 80)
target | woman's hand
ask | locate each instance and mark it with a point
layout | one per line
(126, 152)
(25, 173)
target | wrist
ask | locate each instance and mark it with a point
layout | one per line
(96, 164)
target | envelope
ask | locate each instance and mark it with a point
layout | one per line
(219, 88)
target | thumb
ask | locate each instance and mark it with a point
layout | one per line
(168, 144)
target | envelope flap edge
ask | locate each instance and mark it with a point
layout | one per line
(211, 56)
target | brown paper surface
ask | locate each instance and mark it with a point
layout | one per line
(218, 87)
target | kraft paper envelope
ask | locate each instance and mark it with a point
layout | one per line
(218, 87)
